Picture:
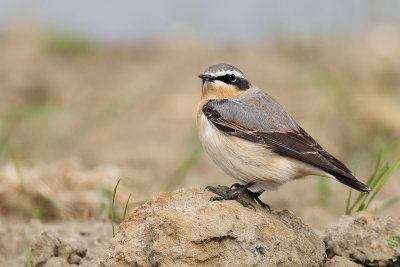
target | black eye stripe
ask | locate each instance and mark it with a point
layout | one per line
(224, 79)
(239, 82)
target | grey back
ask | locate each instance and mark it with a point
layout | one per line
(256, 110)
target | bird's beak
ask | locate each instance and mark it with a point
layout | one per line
(206, 77)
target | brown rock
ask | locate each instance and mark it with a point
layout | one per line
(186, 228)
(363, 237)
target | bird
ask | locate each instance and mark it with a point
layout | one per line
(252, 138)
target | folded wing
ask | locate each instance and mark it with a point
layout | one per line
(267, 123)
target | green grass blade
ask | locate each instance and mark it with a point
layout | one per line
(368, 183)
(383, 181)
(360, 196)
(26, 250)
(348, 202)
(375, 181)
(126, 207)
(55, 203)
(52, 202)
(112, 207)
(378, 163)
(361, 207)
(379, 176)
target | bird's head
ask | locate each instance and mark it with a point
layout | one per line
(223, 81)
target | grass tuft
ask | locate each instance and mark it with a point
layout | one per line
(376, 181)
(109, 210)
(382, 181)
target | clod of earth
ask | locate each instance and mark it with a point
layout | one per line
(54, 244)
(363, 237)
(186, 228)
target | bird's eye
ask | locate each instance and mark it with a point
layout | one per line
(232, 78)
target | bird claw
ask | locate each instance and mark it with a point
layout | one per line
(235, 195)
(264, 205)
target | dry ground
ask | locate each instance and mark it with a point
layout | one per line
(76, 117)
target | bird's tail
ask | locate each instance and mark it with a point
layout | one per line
(351, 181)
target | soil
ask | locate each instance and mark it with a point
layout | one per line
(55, 244)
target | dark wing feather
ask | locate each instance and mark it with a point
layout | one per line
(297, 144)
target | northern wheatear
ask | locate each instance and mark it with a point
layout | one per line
(249, 135)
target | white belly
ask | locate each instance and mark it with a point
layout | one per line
(250, 162)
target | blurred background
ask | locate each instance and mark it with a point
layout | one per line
(96, 91)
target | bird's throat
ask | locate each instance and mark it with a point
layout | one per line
(213, 90)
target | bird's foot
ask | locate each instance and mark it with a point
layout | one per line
(230, 195)
(253, 195)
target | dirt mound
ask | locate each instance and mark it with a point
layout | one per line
(186, 228)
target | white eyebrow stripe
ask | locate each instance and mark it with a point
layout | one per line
(223, 72)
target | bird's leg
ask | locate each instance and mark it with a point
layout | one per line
(254, 195)
(233, 195)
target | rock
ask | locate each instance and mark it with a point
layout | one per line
(186, 228)
(363, 237)
(338, 261)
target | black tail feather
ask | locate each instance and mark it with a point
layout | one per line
(352, 182)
